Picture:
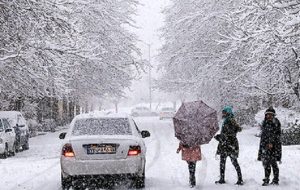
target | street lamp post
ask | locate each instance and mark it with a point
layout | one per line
(149, 73)
(150, 82)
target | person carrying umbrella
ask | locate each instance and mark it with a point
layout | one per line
(228, 145)
(270, 148)
(191, 155)
(195, 124)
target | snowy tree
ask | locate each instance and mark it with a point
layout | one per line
(191, 54)
(69, 50)
(33, 37)
(106, 60)
(263, 41)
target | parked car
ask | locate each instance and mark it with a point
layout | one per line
(291, 135)
(142, 111)
(7, 139)
(100, 146)
(17, 121)
(166, 113)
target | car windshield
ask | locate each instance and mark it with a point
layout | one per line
(102, 126)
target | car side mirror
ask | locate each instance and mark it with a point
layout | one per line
(62, 135)
(145, 134)
(8, 130)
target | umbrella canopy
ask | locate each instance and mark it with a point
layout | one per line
(195, 123)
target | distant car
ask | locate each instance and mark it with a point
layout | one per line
(7, 139)
(17, 121)
(291, 135)
(166, 113)
(103, 146)
(142, 111)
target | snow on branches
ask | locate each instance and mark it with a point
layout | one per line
(66, 48)
(232, 51)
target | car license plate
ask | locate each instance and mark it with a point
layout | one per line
(101, 149)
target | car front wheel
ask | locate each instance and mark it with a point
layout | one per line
(14, 150)
(5, 153)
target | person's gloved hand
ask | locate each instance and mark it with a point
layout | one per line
(178, 150)
(269, 146)
(280, 162)
(217, 137)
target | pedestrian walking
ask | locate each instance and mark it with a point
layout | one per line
(228, 145)
(191, 155)
(270, 148)
(195, 124)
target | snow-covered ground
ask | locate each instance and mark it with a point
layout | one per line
(39, 169)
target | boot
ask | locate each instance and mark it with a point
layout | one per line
(265, 182)
(221, 181)
(192, 186)
(192, 181)
(222, 178)
(240, 178)
(275, 182)
(240, 182)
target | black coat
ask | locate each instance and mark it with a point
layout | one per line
(228, 143)
(270, 134)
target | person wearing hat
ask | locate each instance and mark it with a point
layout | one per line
(270, 149)
(228, 145)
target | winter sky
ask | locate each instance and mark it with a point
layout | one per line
(149, 20)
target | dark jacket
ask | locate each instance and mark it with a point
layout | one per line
(270, 134)
(228, 143)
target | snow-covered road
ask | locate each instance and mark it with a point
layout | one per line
(39, 169)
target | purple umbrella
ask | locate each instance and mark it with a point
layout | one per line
(195, 123)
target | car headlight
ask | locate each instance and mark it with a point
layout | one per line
(1, 141)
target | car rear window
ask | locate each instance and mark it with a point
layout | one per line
(102, 126)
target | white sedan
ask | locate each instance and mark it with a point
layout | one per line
(96, 146)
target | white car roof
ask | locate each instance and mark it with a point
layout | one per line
(98, 114)
(9, 114)
(102, 115)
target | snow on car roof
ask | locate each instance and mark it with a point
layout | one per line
(101, 114)
(98, 114)
(127, 137)
(8, 114)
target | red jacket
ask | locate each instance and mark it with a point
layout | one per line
(190, 154)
